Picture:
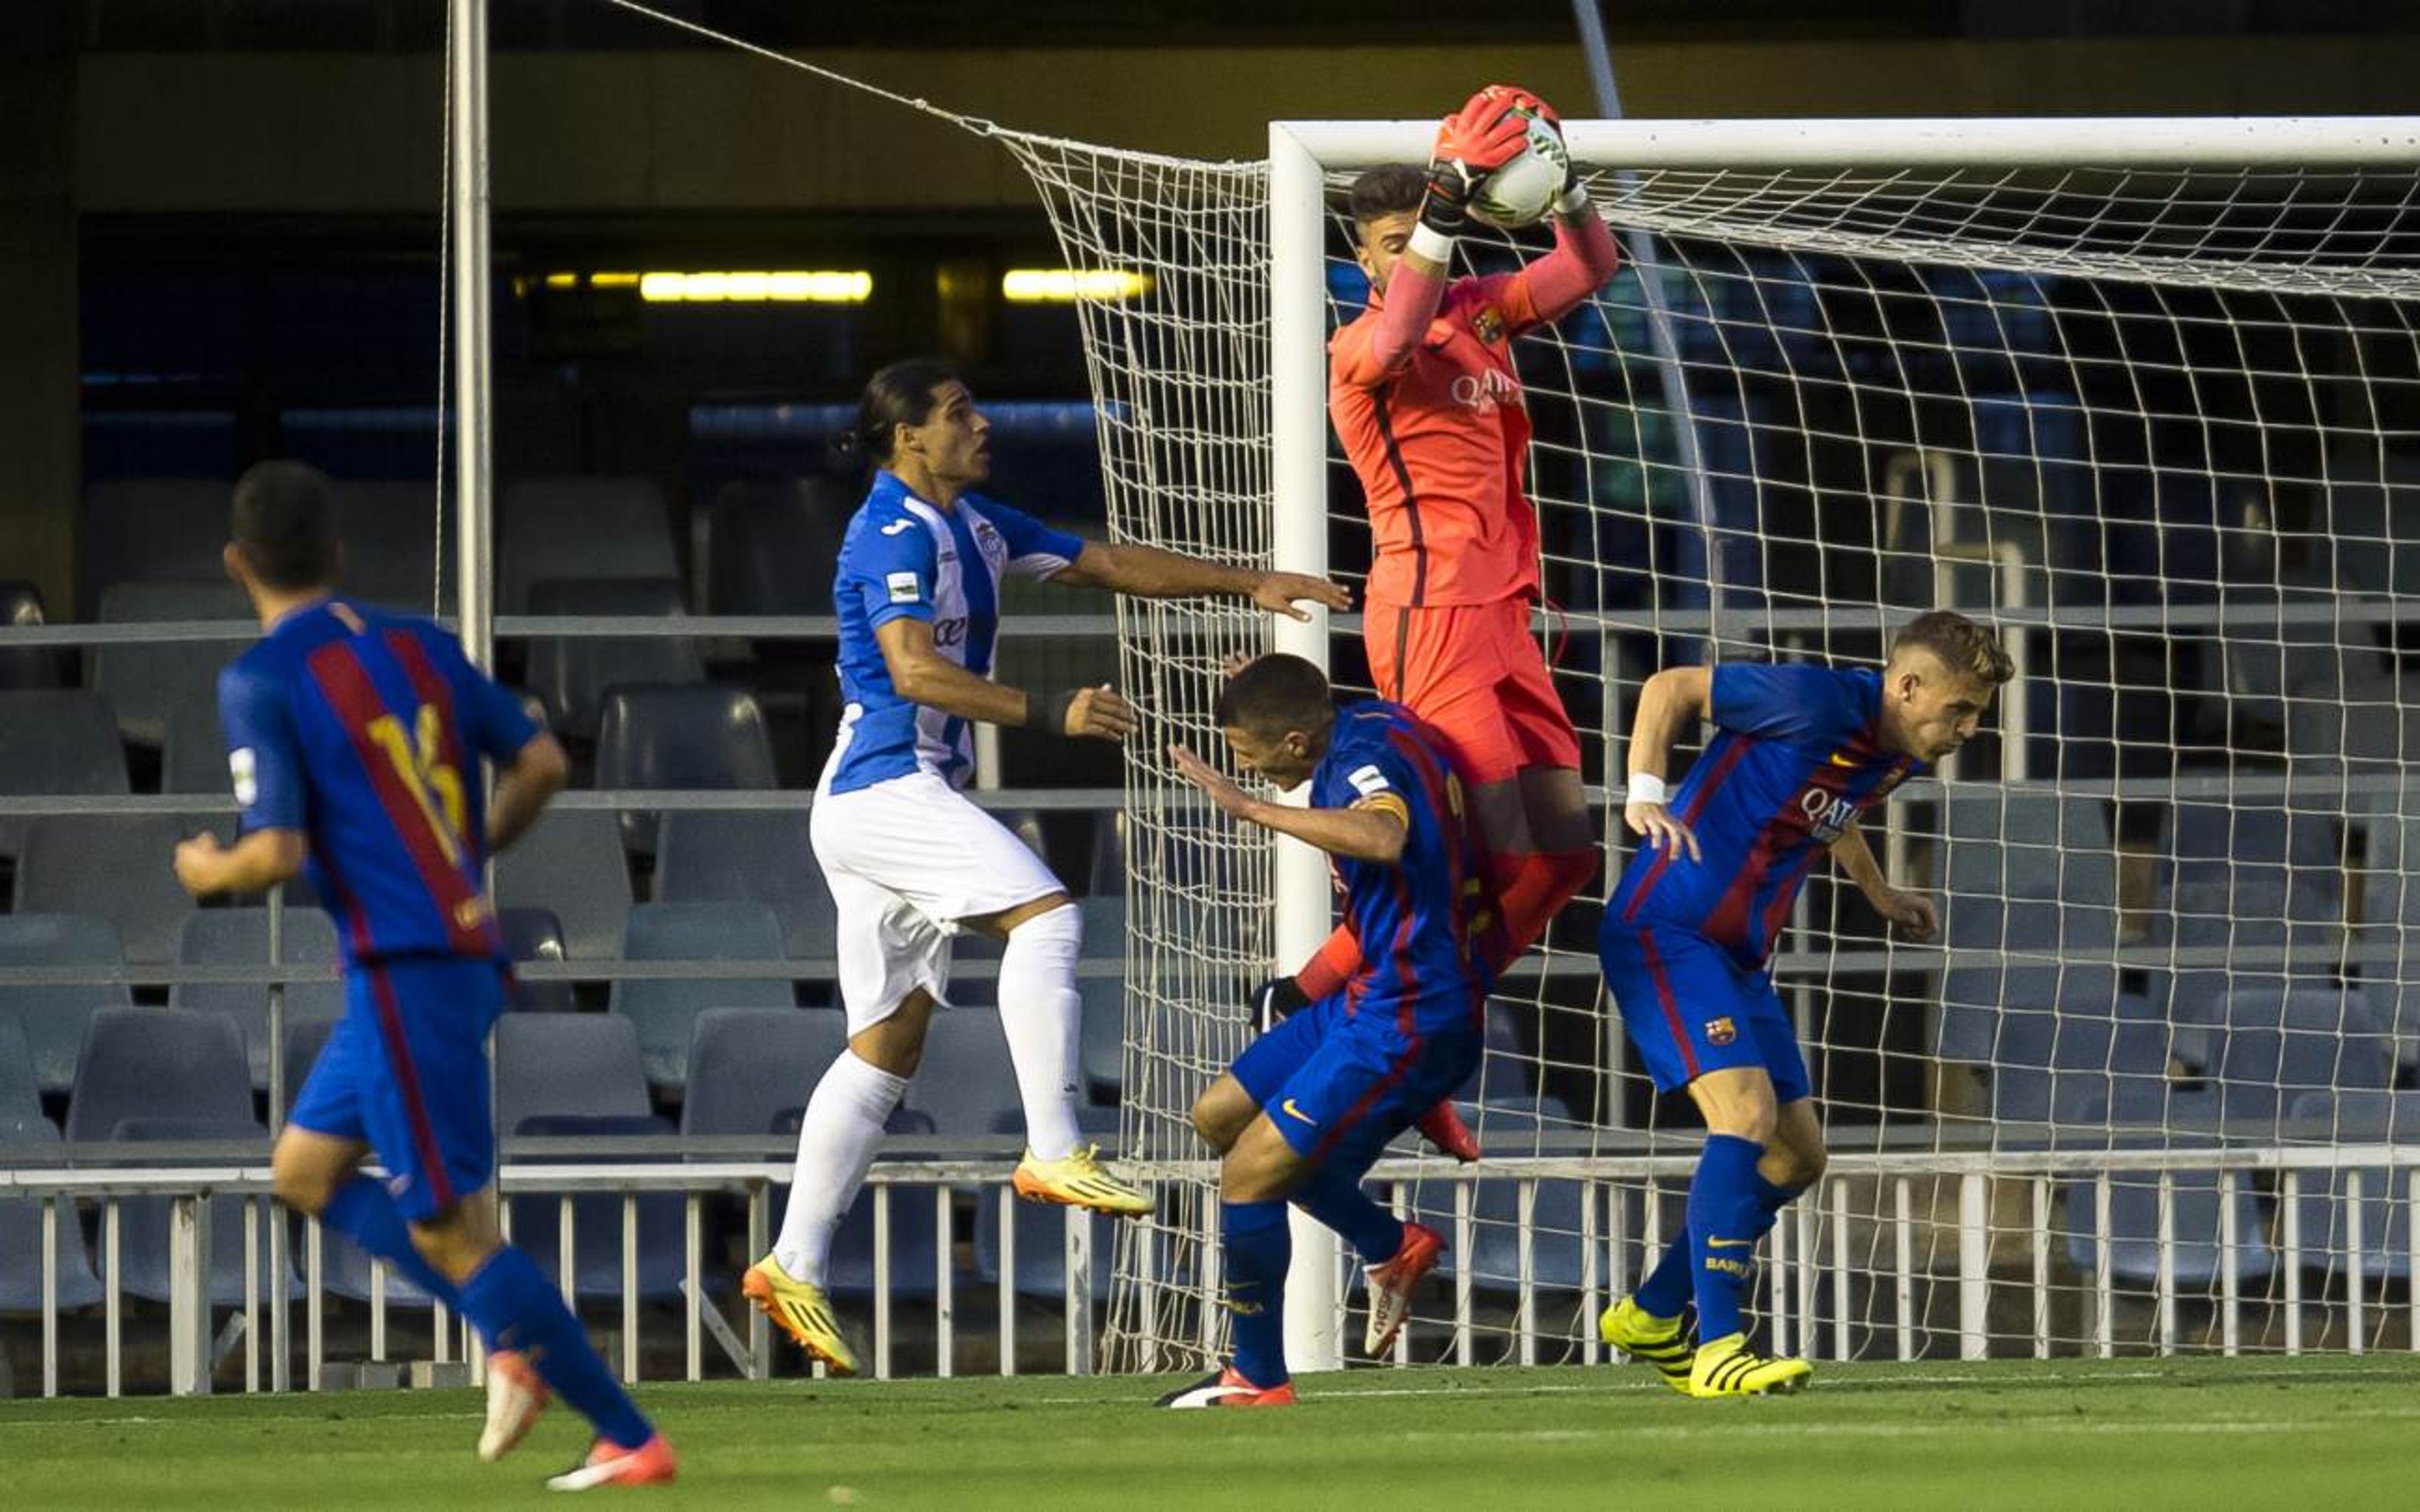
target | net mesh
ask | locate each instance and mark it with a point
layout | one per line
(2155, 426)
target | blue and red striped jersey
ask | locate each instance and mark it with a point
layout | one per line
(360, 729)
(1427, 925)
(1794, 761)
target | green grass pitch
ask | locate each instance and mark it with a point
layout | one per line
(2213, 1435)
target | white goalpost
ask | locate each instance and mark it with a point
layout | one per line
(2143, 393)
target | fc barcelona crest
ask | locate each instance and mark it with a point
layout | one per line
(1721, 1031)
(1487, 323)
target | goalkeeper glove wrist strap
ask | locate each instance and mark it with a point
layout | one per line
(1431, 243)
(1046, 709)
(1575, 202)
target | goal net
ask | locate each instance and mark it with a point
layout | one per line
(2145, 396)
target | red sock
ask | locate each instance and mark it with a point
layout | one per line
(1532, 888)
(1331, 967)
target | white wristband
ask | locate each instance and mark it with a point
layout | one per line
(1646, 787)
(1431, 243)
(1574, 202)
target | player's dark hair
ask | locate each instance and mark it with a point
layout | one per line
(1277, 694)
(282, 525)
(1962, 645)
(1391, 188)
(899, 395)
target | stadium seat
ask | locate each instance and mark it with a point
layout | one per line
(596, 1216)
(2271, 848)
(151, 530)
(705, 736)
(304, 1039)
(1040, 1228)
(571, 864)
(33, 1142)
(1974, 998)
(1555, 1256)
(54, 1017)
(683, 737)
(1102, 1045)
(572, 672)
(664, 1010)
(771, 547)
(915, 1227)
(155, 685)
(1109, 870)
(580, 527)
(2070, 1062)
(713, 856)
(57, 742)
(2269, 1043)
(239, 937)
(2324, 1202)
(2194, 1203)
(748, 1066)
(149, 1063)
(1104, 925)
(117, 867)
(145, 1268)
(568, 1063)
(24, 667)
(390, 535)
(1504, 1074)
(20, 1096)
(535, 935)
(965, 1081)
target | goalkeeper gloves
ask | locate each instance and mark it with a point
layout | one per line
(1481, 137)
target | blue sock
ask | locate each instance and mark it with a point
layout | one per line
(1335, 1199)
(362, 1212)
(517, 1308)
(1259, 1249)
(1770, 1200)
(1726, 1218)
(1666, 1292)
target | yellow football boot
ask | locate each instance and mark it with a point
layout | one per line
(801, 1311)
(1079, 1181)
(1662, 1342)
(1727, 1367)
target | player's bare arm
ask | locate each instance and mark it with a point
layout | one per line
(255, 863)
(923, 675)
(1913, 912)
(1148, 572)
(1673, 700)
(1370, 830)
(537, 773)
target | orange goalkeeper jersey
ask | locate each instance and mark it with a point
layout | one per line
(1441, 445)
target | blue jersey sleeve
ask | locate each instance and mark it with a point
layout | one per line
(495, 723)
(891, 566)
(1366, 772)
(264, 757)
(1034, 549)
(1787, 701)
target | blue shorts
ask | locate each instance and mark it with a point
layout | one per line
(405, 1071)
(1339, 1086)
(1691, 1009)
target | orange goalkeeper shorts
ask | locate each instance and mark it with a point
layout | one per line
(1474, 673)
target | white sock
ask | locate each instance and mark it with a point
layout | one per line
(836, 1139)
(1043, 1019)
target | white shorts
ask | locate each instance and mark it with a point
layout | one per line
(907, 860)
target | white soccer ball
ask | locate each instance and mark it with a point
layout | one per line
(1525, 188)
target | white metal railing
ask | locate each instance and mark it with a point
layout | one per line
(1811, 1277)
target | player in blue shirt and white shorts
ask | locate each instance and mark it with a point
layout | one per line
(1800, 751)
(354, 737)
(910, 862)
(1307, 1107)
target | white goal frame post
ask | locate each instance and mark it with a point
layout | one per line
(1303, 153)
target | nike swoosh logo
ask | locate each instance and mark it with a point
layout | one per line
(1730, 1244)
(1838, 760)
(1293, 1112)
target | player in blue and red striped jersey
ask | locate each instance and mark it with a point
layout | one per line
(1305, 1111)
(1801, 751)
(353, 738)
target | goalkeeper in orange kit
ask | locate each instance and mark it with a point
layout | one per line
(1424, 393)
